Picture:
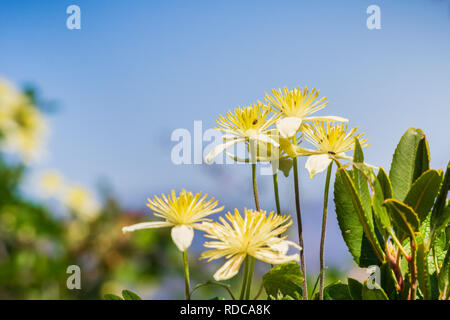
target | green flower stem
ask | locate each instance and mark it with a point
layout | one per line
(275, 189)
(324, 228)
(244, 279)
(299, 224)
(255, 187)
(186, 275)
(400, 247)
(249, 278)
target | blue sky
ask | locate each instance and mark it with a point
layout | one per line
(137, 70)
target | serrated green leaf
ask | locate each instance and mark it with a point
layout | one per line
(408, 162)
(377, 293)
(285, 279)
(423, 192)
(436, 253)
(355, 223)
(128, 295)
(444, 278)
(422, 270)
(355, 288)
(335, 291)
(403, 216)
(111, 297)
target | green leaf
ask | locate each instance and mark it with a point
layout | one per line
(422, 161)
(437, 246)
(388, 281)
(360, 179)
(444, 278)
(385, 183)
(335, 291)
(355, 223)
(440, 217)
(377, 293)
(440, 246)
(379, 196)
(128, 295)
(403, 216)
(111, 297)
(285, 279)
(355, 288)
(423, 192)
(358, 155)
(408, 162)
(422, 271)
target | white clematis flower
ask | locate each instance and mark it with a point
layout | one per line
(249, 124)
(296, 106)
(183, 213)
(331, 141)
(256, 234)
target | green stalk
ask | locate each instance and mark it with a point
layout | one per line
(244, 279)
(186, 275)
(275, 189)
(249, 277)
(299, 224)
(252, 259)
(324, 228)
(255, 187)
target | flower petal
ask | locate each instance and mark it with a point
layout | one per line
(267, 139)
(282, 246)
(147, 225)
(274, 257)
(327, 118)
(317, 163)
(289, 126)
(230, 268)
(220, 147)
(182, 236)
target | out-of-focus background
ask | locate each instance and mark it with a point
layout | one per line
(86, 118)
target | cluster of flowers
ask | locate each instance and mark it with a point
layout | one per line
(22, 126)
(271, 131)
(76, 198)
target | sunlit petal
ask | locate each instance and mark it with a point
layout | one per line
(326, 118)
(289, 126)
(220, 148)
(182, 236)
(317, 163)
(147, 225)
(230, 268)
